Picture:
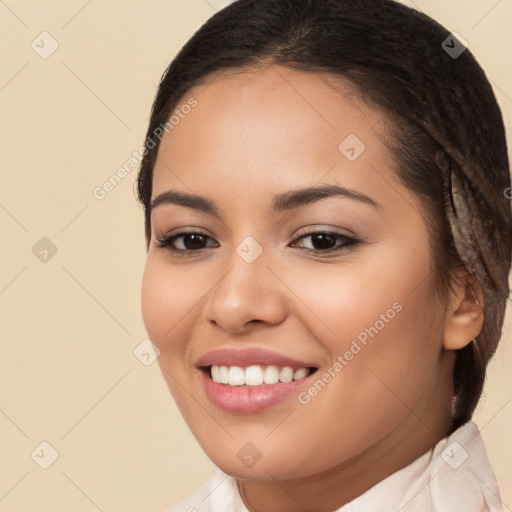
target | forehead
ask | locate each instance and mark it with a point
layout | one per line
(272, 126)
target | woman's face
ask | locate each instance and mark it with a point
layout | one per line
(309, 260)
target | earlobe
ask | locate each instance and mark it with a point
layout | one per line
(465, 316)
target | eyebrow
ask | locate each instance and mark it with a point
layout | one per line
(281, 202)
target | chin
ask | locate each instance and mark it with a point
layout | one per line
(244, 461)
(261, 471)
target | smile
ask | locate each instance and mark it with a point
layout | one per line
(251, 380)
(256, 375)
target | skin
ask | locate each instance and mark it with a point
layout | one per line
(255, 134)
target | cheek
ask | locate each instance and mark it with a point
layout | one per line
(385, 332)
(345, 300)
(166, 298)
(167, 301)
(382, 318)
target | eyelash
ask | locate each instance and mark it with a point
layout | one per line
(348, 243)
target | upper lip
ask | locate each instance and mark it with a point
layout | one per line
(248, 357)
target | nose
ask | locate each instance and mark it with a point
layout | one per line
(246, 294)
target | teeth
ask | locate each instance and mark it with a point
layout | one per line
(253, 376)
(236, 376)
(223, 375)
(271, 375)
(300, 373)
(286, 374)
(256, 375)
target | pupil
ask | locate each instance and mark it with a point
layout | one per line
(195, 241)
(324, 240)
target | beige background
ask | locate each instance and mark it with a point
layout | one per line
(70, 325)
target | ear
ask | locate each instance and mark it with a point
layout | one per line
(464, 314)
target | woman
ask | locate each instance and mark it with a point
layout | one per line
(329, 241)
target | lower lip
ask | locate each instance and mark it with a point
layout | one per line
(251, 398)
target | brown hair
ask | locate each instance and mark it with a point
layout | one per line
(447, 132)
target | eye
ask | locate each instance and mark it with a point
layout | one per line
(185, 242)
(325, 241)
(320, 242)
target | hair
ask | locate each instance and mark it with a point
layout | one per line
(446, 131)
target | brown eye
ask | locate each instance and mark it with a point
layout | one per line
(321, 241)
(193, 241)
(184, 242)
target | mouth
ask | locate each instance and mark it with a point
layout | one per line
(252, 380)
(256, 375)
